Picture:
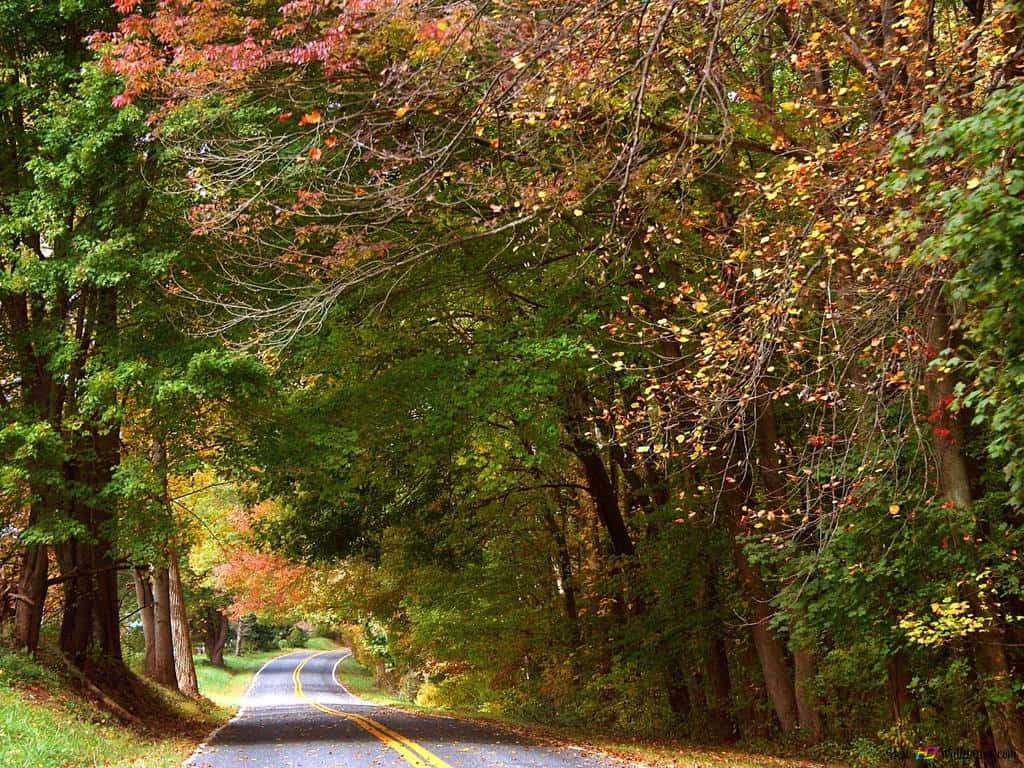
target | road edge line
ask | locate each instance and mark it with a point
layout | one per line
(241, 710)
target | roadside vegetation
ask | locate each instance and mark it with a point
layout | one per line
(358, 678)
(49, 720)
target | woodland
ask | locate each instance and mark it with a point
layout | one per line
(649, 366)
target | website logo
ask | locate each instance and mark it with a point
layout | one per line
(927, 754)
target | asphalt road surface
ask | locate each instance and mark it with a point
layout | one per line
(296, 715)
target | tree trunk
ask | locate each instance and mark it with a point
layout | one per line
(770, 653)
(91, 593)
(31, 597)
(720, 723)
(605, 499)
(144, 595)
(678, 693)
(216, 636)
(565, 572)
(736, 495)
(238, 636)
(90, 590)
(184, 664)
(1005, 718)
(805, 667)
(163, 648)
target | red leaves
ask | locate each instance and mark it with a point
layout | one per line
(121, 100)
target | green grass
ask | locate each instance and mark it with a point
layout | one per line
(44, 724)
(34, 734)
(321, 644)
(359, 680)
(225, 686)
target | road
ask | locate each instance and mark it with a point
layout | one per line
(297, 715)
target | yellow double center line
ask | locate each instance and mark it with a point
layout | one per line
(413, 753)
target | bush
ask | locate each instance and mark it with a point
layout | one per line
(295, 638)
(409, 685)
(16, 669)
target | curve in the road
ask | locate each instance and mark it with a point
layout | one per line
(413, 753)
(297, 715)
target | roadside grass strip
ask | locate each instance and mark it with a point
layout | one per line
(413, 753)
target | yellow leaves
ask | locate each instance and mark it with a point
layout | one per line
(894, 509)
(973, 183)
(789, 106)
(402, 111)
(310, 118)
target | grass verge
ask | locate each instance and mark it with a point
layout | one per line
(226, 685)
(359, 680)
(47, 720)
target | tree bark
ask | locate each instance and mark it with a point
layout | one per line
(605, 499)
(805, 667)
(163, 647)
(238, 636)
(144, 595)
(720, 723)
(90, 591)
(989, 644)
(565, 572)
(31, 597)
(735, 495)
(216, 636)
(184, 664)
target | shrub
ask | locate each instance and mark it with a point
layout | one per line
(295, 638)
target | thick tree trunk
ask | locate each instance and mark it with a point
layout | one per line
(902, 705)
(605, 499)
(770, 653)
(717, 702)
(31, 597)
(990, 659)
(163, 648)
(216, 636)
(184, 664)
(678, 692)
(90, 589)
(91, 593)
(144, 595)
(76, 627)
(805, 667)
(736, 495)
(719, 699)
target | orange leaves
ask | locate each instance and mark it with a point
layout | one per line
(315, 154)
(310, 118)
(402, 111)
